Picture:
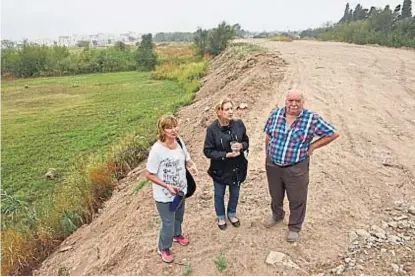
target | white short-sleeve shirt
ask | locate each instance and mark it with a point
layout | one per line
(169, 166)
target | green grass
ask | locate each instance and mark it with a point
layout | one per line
(221, 263)
(188, 269)
(140, 185)
(55, 120)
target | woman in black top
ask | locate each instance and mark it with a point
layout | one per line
(226, 145)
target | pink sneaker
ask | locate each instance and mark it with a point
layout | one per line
(182, 240)
(166, 256)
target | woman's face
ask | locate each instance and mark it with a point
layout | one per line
(171, 132)
(227, 111)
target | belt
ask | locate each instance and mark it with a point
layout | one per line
(286, 165)
(289, 165)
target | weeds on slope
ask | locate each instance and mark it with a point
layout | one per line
(31, 233)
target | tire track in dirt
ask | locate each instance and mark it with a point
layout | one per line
(402, 78)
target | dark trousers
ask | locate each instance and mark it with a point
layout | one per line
(293, 180)
(220, 190)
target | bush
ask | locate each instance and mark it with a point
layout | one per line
(33, 60)
(213, 41)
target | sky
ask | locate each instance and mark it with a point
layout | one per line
(49, 19)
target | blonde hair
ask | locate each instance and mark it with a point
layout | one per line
(165, 122)
(222, 102)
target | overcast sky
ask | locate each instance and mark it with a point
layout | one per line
(41, 19)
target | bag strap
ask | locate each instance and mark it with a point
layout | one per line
(179, 142)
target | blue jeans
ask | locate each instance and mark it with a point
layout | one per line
(171, 224)
(219, 199)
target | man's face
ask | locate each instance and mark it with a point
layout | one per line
(294, 103)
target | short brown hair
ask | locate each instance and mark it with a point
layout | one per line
(165, 122)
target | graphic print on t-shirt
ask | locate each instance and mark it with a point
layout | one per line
(171, 169)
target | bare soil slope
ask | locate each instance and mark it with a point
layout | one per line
(364, 178)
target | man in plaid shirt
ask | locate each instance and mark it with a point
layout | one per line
(289, 134)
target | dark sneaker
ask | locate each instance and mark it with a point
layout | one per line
(293, 236)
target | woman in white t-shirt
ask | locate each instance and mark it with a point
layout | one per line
(167, 172)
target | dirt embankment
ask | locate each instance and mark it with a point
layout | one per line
(123, 238)
(360, 216)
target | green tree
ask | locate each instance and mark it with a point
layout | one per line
(200, 41)
(174, 37)
(10, 58)
(146, 57)
(406, 9)
(160, 37)
(33, 60)
(239, 32)
(345, 17)
(350, 16)
(121, 46)
(397, 12)
(82, 43)
(381, 21)
(219, 37)
(359, 13)
(214, 41)
(5, 43)
(371, 11)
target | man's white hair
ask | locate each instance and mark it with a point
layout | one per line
(295, 91)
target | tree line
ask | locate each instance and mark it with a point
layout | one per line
(190, 37)
(33, 60)
(394, 28)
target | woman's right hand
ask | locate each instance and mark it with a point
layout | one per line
(172, 190)
(232, 154)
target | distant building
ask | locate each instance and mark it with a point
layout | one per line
(95, 40)
(65, 41)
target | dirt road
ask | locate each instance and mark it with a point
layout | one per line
(368, 93)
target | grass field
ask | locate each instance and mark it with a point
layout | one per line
(55, 120)
(93, 129)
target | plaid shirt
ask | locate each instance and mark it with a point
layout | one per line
(290, 146)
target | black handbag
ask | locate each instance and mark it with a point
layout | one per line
(191, 184)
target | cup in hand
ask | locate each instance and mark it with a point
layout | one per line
(177, 200)
(233, 147)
